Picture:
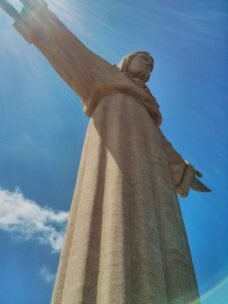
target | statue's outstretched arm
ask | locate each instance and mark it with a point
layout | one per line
(76, 64)
(183, 174)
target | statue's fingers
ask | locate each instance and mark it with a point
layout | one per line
(27, 2)
(33, 3)
(198, 173)
(9, 9)
(199, 186)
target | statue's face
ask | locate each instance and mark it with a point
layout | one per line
(141, 66)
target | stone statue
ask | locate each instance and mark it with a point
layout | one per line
(125, 241)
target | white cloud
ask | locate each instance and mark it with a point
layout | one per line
(26, 220)
(46, 275)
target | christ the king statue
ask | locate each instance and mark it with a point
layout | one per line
(125, 241)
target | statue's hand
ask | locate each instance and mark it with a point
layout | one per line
(190, 181)
(196, 184)
(34, 3)
(9, 9)
(31, 4)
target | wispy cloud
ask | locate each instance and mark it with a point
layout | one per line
(26, 220)
(46, 275)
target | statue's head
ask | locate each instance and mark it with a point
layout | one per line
(139, 65)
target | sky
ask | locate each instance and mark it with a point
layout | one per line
(43, 128)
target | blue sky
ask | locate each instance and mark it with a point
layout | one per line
(43, 128)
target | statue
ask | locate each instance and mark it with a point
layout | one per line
(125, 241)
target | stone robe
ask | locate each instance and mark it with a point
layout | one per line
(125, 241)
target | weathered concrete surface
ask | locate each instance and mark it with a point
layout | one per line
(125, 242)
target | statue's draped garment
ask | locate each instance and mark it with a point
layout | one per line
(125, 241)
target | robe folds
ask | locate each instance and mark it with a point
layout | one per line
(125, 241)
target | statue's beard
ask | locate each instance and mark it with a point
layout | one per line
(142, 75)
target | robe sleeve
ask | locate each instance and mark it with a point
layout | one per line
(79, 67)
(181, 171)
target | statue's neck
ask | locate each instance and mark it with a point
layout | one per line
(139, 82)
